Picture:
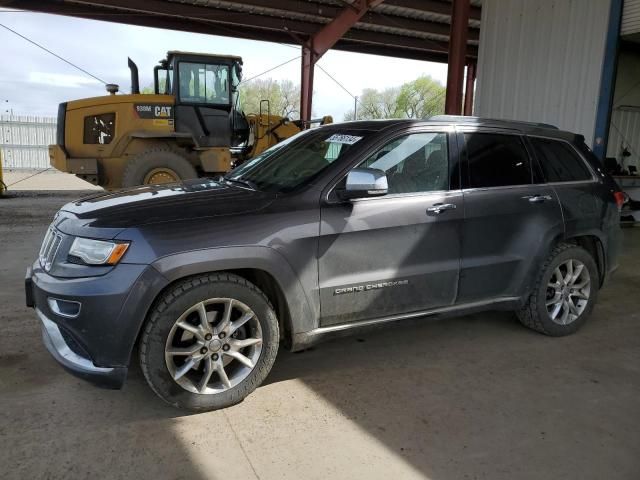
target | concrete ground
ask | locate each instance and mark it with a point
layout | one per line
(50, 179)
(476, 397)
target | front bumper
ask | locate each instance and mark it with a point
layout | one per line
(96, 343)
(108, 377)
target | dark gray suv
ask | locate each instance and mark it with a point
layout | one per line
(340, 227)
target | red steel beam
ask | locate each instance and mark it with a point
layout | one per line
(468, 89)
(306, 83)
(323, 40)
(457, 56)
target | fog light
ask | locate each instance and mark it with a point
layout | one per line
(64, 308)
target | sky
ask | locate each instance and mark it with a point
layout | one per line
(33, 82)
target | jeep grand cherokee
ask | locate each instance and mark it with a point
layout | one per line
(340, 227)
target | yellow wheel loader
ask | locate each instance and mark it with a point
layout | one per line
(189, 127)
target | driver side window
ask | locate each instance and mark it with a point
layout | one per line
(418, 162)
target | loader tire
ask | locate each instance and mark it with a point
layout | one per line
(157, 166)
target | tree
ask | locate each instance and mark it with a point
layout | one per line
(283, 97)
(373, 104)
(419, 98)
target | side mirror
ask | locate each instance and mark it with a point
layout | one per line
(364, 183)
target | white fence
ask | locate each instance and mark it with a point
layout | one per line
(24, 141)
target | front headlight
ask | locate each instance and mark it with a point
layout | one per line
(98, 252)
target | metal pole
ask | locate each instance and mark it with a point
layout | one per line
(468, 89)
(457, 56)
(355, 107)
(323, 40)
(306, 83)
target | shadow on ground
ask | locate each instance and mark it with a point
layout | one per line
(469, 397)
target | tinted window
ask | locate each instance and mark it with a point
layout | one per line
(496, 160)
(559, 161)
(414, 163)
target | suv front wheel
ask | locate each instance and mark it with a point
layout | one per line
(209, 342)
(565, 292)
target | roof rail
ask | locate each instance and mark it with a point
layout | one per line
(468, 119)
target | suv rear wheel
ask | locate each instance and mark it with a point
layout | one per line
(209, 342)
(565, 293)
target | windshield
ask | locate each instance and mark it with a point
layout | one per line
(297, 160)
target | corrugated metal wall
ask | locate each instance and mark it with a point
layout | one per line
(541, 61)
(630, 17)
(24, 141)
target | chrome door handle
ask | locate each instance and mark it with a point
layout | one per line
(438, 208)
(537, 198)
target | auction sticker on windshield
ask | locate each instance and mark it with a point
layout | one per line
(342, 138)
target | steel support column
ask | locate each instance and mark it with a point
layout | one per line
(468, 89)
(323, 40)
(306, 82)
(457, 56)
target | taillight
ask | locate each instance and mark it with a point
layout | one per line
(620, 198)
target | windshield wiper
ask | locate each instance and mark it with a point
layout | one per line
(241, 181)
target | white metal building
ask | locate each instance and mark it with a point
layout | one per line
(571, 63)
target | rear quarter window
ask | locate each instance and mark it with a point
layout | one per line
(559, 161)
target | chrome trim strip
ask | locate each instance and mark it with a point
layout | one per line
(52, 335)
(406, 316)
(53, 305)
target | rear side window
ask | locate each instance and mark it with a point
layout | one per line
(496, 160)
(559, 161)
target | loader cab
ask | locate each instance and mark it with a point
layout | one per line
(205, 88)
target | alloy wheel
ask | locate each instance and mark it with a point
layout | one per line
(568, 292)
(213, 346)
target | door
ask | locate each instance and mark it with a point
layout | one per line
(204, 103)
(511, 217)
(397, 253)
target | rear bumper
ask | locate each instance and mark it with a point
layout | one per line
(85, 168)
(58, 157)
(107, 377)
(614, 248)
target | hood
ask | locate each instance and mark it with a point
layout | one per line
(165, 203)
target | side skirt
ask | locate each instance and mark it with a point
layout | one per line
(304, 340)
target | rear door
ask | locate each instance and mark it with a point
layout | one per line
(574, 182)
(398, 253)
(510, 215)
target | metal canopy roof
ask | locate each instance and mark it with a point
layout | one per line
(415, 29)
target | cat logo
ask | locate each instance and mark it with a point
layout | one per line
(154, 111)
(162, 111)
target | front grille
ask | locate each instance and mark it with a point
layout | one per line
(49, 248)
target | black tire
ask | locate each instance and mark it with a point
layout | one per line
(139, 167)
(171, 306)
(534, 313)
